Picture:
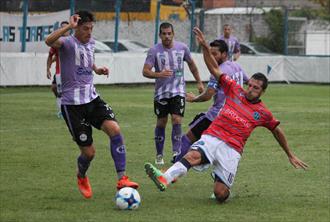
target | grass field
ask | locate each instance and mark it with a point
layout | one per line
(38, 162)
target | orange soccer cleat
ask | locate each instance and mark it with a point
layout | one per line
(84, 187)
(125, 182)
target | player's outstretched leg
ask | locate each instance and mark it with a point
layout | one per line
(156, 176)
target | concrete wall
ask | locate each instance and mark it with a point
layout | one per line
(19, 69)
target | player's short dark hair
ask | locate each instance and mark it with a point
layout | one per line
(221, 45)
(64, 22)
(261, 77)
(85, 16)
(165, 25)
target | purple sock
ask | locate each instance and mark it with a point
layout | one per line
(83, 164)
(118, 152)
(176, 137)
(159, 140)
(185, 145)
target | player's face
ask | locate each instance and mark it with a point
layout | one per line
(166, 35)
(84, 32)
(226, 31)
(217, 54)
(254, 89)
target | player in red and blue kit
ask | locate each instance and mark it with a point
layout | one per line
(222, 144)
(56, 83)
(202, 121)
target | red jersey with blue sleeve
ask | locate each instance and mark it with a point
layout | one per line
(54, 51)
(239, 117)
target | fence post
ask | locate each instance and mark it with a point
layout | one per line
(192, 23)
(117, 7)
(72, 7)
(157, 21)
(201, 24)
(285, 32)
(25, 14)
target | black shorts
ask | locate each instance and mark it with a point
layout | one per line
(175, 105)
(80, 118)
(54, 80)
(199, 124)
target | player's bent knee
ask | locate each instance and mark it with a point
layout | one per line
(193, 157)
(88, 151)
(176, 119)
(111, 128)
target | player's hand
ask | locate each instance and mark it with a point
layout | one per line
(166, 73)
(297, 163)
(102, 71)
(74, 19)
(190, 97)
(200, 37)
(49, 74)
(200, 87)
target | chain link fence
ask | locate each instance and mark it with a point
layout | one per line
(138, 19)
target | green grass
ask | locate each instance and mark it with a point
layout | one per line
(38, 162)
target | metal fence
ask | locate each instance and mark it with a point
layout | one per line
(139, 20)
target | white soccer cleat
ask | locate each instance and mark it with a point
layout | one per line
(159, 160)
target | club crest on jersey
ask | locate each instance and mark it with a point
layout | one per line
(256, 116)
(201, 142)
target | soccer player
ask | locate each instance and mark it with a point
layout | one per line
(167, 58)
(222, 144)
(56, 83)
(81, 106)
(234, 49)
(202, 121)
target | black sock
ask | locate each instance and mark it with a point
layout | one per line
(185, 163)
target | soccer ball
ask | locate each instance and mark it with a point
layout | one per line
(128, 198)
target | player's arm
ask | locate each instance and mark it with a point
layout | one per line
(205, 96)
(281, 139)
(194, 70)
(53, 39)
(207, 55)
(49, 64)
(148, 73)
(237, 51)
(101, 70)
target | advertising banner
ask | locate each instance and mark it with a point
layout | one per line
(39, 26)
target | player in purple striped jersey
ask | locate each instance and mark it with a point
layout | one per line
(167, 58)
(202, 121)
(81, 106)
(234, 49)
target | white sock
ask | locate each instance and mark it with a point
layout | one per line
(58, 103)
(175, 171)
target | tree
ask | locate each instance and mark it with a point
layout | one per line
(275, 40)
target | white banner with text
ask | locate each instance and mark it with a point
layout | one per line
(38, 27)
